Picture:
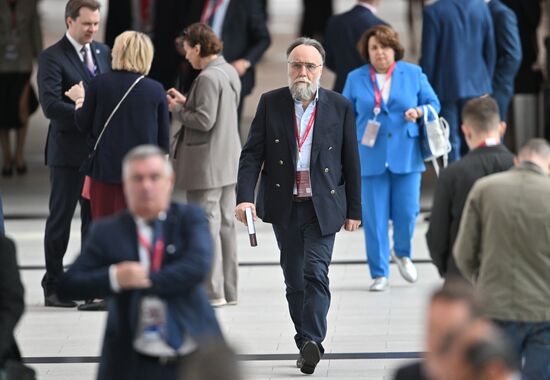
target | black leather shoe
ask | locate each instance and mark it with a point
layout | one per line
(311, 355)
(53, 301)
(7, 171)
(300, 361)
(91, 305)
(21, 169)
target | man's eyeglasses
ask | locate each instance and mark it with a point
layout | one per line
(297, 66)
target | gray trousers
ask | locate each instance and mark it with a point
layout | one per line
(219, 205)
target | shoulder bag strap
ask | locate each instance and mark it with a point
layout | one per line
(114, 111)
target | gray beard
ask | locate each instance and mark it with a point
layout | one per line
(302, 91)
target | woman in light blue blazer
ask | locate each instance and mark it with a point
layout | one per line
(387, 95)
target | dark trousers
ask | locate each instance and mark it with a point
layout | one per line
(65, 193)
(451, 112)
(305, 258)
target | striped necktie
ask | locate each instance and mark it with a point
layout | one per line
(88, 60)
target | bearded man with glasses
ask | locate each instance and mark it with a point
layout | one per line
(303, 145)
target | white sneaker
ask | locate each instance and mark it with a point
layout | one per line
(406, 268)
(218, 302)
(379, 285)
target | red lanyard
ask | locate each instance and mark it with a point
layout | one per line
(205, 14)
(12, 4)
(308, 129)
(156, 253)
(377, 92)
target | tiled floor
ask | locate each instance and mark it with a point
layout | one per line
(360, 323)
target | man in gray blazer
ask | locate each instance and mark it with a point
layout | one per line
(503, 248)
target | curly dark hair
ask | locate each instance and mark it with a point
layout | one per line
(199, 33)
(386, 36)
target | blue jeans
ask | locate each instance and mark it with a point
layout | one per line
(531, 340)
(305, 259)
(451, 111)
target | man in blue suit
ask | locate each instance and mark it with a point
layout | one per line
(74, 58)
(153, 250)
(342, 35)
(508, 54)
(303, 142)
(458, 57)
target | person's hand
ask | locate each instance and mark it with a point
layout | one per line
(240, 214)
(412, 114)
(351, 225)
(174, 97)
(132, 275)
(241, 65)
(76, 92)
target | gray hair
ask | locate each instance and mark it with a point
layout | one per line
(308, 42)
(535, 147)
(142, 152)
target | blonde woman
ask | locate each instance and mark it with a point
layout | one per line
(141, 118)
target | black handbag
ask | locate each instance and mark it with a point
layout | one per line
(87, 165)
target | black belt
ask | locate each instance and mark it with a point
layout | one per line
(298, 199)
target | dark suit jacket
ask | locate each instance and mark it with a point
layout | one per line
(451, 192)
(529, 14)
(343, 33)
(141, 119)
(12, 301)
(244, 35)
(411, 371)
(458, 48)
(179, 282)
(171, 17)
(59, 68)
(508, 53)
(334, 167)
(119, 19)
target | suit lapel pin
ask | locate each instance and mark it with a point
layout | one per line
(170, 249)
(97, 51)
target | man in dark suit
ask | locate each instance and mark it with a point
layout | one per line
(482, 129)
(458, 57)
(74, 58)
(242, 27)
(508, 54)
(343, 33)
(153, 250)
(308, 188)
(12, 302)
(451, 309)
